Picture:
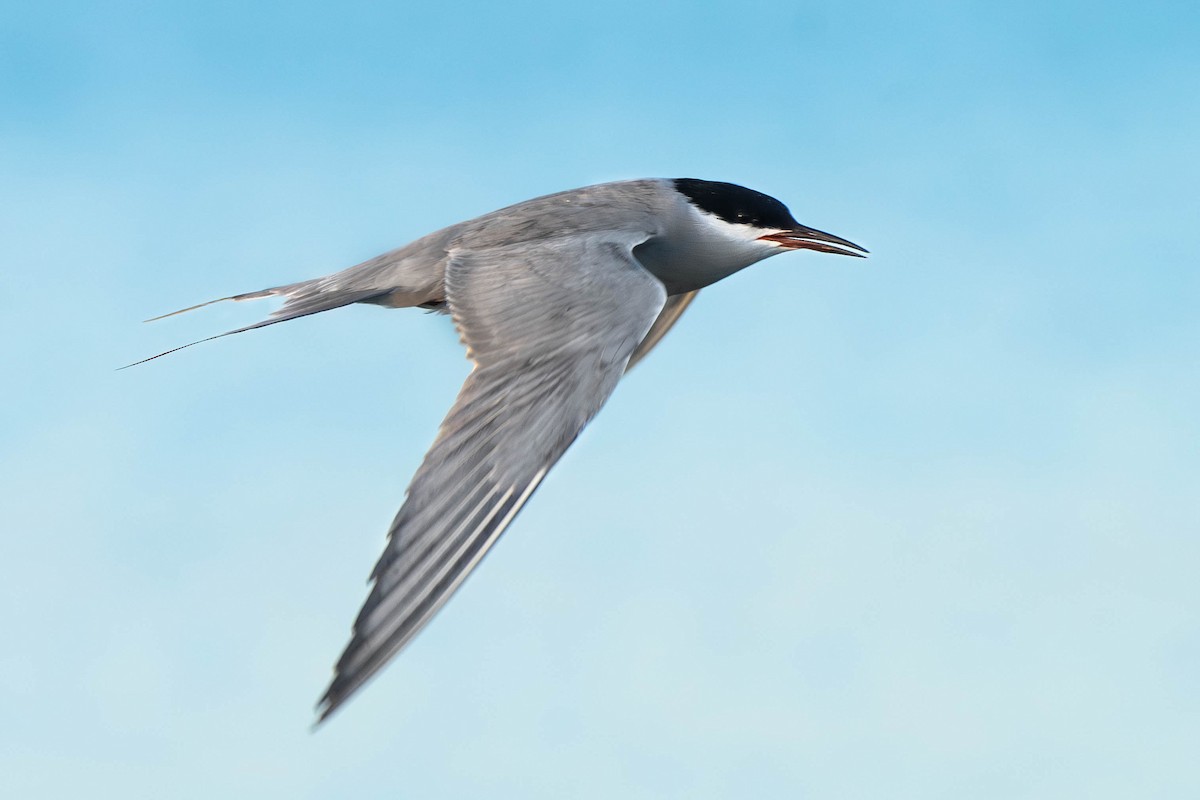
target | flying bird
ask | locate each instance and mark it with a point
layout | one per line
(555, 299)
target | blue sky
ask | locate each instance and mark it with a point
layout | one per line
(920, 526)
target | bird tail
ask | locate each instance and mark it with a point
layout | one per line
(302, 299)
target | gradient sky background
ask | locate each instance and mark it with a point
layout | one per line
(924, 526)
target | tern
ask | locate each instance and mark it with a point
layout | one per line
(555, 299)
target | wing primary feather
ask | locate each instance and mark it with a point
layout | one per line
(399, 589)
(501, 516)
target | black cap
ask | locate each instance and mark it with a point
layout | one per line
(736, 204)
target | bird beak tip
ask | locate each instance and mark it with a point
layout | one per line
(804, 238)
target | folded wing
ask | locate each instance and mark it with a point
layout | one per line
(675, 306)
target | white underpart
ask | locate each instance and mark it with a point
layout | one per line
(698, 248)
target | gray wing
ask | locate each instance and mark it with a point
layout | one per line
(672, 311)
(550, 326)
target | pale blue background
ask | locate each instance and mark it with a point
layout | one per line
(923, 526)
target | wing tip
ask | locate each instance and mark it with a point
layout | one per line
(343, 686)
(325, 708)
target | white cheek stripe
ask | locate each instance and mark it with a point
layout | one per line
(733, 231)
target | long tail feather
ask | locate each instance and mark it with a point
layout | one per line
(300, 303)
(235, 297)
